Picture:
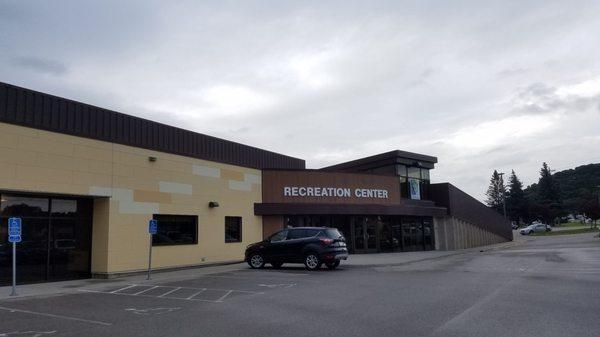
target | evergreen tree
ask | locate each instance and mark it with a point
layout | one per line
(496, 192)
(516, 204)
(548, 190)
(548, 204)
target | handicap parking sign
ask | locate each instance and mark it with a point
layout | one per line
(14, 230)
(152, 226)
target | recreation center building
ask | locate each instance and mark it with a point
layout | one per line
(86, 181)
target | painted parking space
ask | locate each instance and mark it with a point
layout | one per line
(213, 295)
(114, 305)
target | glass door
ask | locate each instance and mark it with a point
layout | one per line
(365, 234)
(56, 237)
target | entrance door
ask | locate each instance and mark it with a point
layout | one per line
(412, 235)
(365, 234)
(56, 238)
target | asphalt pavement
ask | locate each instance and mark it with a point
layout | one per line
(544, 286)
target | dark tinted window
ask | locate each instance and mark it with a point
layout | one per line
(297, 234)
(176, 230)
(24, 206)
(233, 229)
(279, 236)
(64, 207)
(311, 232)
(333, 233)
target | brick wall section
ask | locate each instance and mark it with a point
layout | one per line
(462, 206)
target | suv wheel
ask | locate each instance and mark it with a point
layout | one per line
(277, 265)
(333, 265)
(256, 261)
(312, 261)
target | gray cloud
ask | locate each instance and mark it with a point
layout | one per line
(481, 86)
(40, 65)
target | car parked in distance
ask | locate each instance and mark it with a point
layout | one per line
(313, 246)
(538, 227)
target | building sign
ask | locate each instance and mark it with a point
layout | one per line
(339, 192)
(322, 187)
(415, 189)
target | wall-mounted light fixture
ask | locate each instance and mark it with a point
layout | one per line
(213, 204)
(152, 159)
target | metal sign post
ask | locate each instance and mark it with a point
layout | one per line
(14, 236)
(152, 228)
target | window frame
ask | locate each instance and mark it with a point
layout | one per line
(195, 226)
(239, 228)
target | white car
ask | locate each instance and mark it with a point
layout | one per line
(539, 227)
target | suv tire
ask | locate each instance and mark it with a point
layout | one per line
(312, 261)
(256, 261)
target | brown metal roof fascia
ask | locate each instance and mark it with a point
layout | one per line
(465, 207)
(383, 159)
(42, 111)
(304, 208)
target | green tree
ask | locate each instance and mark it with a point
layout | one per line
(591, 209)
(496, 192)
(516, 204)
(548, 205)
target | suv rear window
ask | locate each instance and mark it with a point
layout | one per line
(333, 233)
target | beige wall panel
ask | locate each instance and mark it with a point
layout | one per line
(95, 179)
(8, 139)
(43, 145)
(43, 174)
(134, 183)
(131, 159)
(8, 171)
(123, 170)
(18, 185)
(92, 152)
(151, 196)
(232, 175)
(17, 156)
(46, 162)
(97, 166)
(100, 227)
(61, 188)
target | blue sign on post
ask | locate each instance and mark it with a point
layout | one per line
(152, 226)
(14, 230)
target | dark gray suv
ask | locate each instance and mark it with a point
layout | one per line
(313, 246)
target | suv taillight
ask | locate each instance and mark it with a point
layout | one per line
(326, 241)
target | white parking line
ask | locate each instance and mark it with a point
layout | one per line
(196, 293)
(115, 291)
(170, 291)
(55, 316)
(220, 299)
(143, 291)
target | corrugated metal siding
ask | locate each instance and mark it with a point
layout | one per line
(465, 207)
(42, 111)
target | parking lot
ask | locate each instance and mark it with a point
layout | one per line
(545, 287)
(149, 304)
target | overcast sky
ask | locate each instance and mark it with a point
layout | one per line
(481, 86)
